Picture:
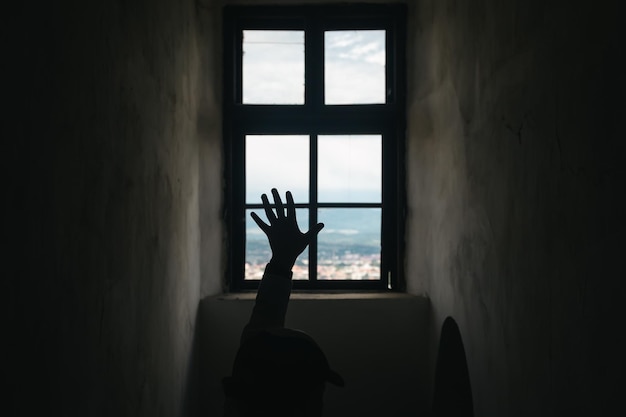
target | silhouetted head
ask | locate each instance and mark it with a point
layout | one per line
(280, 372)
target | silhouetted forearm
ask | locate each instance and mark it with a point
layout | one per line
(271, 303)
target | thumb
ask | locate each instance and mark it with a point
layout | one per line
(314, 231)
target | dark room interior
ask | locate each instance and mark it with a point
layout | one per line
(513, 275)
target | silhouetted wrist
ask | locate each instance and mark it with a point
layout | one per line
(278, 267)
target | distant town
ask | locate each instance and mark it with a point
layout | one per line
(346, 266)
(348, 248)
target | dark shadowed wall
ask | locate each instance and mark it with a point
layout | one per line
(515, 189)
(114, 172)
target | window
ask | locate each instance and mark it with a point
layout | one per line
(314, 104)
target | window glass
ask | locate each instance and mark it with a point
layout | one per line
(277, 161)
(273, 67)
(349, 244)
(354, 67)
(307, 98)
(350, 168)
(258, 251)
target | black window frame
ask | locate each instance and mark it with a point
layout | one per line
(314, 118)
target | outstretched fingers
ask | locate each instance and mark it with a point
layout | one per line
(262, 225)
(291, 207)
(268, 209)
(280, 210)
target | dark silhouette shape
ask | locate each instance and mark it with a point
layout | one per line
(453, 392)
(278, 371)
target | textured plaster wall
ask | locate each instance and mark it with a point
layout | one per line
(515, 186)
(114, 183)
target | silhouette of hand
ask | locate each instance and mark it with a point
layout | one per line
(286, 239)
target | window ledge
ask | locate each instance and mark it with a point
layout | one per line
(325, 295)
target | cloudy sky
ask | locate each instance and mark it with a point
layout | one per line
(273, 67)
(349, 168)
(273, 73)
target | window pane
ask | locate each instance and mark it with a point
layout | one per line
(280, 162)
(349, 244)
(258, 252)
(354, 67)
(273, 67)
(350, 168)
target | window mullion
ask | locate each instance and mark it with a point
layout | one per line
(313, 67)
(313, 205)
(314, 100)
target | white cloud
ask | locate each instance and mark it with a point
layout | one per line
(355, 67)
(277, 161)
(273, 67)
